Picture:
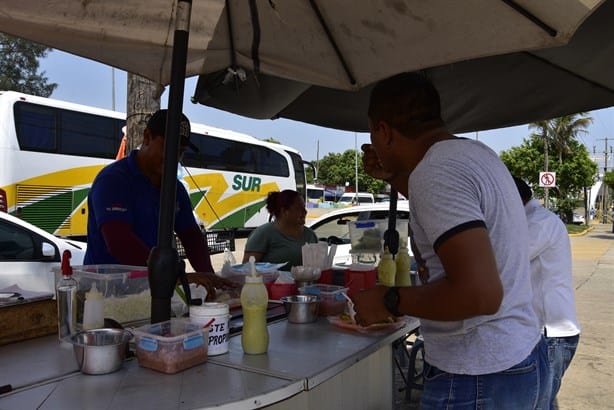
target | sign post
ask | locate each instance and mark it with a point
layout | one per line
(547, 180)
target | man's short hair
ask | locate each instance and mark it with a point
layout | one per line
(157, 126)
(406, 101)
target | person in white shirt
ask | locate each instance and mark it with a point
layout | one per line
(482, 342)
(553, 291)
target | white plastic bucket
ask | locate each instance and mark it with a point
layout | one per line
(217, 317)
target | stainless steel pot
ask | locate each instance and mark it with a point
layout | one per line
(100, 351)
(301, 308)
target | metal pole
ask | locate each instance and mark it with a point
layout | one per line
(604, 191)
(356, 164)
(163, 263)
(113, 88)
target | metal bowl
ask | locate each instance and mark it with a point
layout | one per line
(301, 308)
(100, 351)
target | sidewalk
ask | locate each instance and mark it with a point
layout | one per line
(589, 381)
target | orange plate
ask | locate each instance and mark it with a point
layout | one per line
(374, 329)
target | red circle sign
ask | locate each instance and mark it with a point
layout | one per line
(547, 179)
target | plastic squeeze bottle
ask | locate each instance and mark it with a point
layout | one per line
(93, 309)
(254, 301)
(403, 261)
(386, 269)
(66, 298)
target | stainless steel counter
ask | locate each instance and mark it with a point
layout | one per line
(305, 367)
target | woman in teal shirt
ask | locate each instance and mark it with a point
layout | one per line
(281, 240)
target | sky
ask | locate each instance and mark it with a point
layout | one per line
(90, 83)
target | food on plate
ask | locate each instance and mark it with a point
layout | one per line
(345, 322)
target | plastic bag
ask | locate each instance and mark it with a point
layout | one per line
(229, 261)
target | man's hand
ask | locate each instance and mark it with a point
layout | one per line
(372, 164)
(369, 306)
(211, 281)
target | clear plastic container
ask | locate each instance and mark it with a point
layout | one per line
(332, 301)
(125, 291)
(367, 236)
(171, 346)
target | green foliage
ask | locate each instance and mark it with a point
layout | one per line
(575, 172)
(19, 66)
(573, 166)
(337, 169)
(608, 179)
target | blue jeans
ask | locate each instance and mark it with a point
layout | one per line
(522, 386)
(560, 352)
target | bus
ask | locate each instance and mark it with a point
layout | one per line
(315, 194)
(51, 150)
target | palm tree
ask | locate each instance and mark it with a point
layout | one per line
(557, 133)
(566, 129)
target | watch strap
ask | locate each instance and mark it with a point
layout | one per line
(392, 300)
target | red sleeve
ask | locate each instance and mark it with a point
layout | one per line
(123, 244)
(196, 249)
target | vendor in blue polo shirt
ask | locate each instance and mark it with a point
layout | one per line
(124, 208)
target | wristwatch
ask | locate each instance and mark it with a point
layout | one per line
(391, 301)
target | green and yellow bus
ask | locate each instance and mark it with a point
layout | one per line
(51, 150)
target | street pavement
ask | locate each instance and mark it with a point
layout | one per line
(589, 381)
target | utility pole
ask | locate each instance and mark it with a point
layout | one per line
(317, 167)
(604, 188)
(546, 198)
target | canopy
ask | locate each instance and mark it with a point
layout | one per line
(293, 53)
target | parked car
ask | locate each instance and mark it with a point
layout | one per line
(28, 254)
(578, 219)
(351, 199)
(334, 226)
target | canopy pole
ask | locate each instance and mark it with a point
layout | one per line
(163, 263)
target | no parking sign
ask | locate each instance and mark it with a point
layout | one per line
(547, 179)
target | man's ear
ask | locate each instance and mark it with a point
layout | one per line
(147, 136)
(387, 133)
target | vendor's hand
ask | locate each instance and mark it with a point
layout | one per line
(210, 281)
(372, 164)
(369, 306)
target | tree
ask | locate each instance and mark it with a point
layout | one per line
(19, 67)
(557, 135)
(574, 171)
(337, 169)
(143, 99)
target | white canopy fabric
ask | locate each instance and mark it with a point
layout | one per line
(293, 54)
(286, 39)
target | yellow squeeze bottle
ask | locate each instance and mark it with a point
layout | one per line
(386, 269)
(254, 301)
(403, 261)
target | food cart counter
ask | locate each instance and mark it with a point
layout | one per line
(307, 366)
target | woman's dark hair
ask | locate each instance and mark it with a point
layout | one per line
(406, 101)
(276, 201)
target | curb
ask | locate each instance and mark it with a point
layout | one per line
(584, 232)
